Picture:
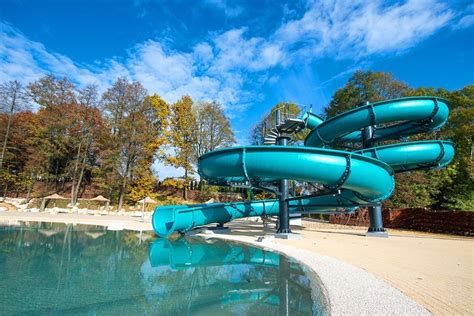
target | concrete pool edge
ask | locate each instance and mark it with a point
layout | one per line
(348, 289)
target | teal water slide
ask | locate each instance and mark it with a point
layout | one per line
(348, 178)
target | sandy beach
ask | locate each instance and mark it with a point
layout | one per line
(118, 221)
(436, 271)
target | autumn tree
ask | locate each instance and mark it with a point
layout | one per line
(50, 91)
(182, 137)
(138, 124)
(12, 97)
(144, 181)
(86, 128)
(15, 174)
(54, 142)
(212, 130)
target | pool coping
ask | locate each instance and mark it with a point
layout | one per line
(349, 290)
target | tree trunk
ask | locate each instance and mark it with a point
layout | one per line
(123, 186)
(185, 186)
(81, 175)
(7, 132)
(29, 191)
(73, 186)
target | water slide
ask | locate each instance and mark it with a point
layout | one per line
(348, 178)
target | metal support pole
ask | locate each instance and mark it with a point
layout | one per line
(283, 214)
(375, 216)
(375, 212)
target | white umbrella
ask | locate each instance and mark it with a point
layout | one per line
(147, 200)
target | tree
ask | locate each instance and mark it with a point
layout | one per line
(182, 137)
(88, 126)
(212, 130)
(138, 124)
(456, 188)
(124, 105)
(49, 91)
(144, 181)
(365, 86)
(18, 154)
(12, 97)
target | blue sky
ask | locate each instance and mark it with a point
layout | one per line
(248, 55)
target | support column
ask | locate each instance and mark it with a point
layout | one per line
(283, 214)
(376, 228)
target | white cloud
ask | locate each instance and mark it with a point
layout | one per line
(222, 67)
(466, 19)
(230, 10)
(354, 29)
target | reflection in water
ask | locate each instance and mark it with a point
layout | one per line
(57, 268)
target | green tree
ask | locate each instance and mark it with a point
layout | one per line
(182, 137)
(127, 113)
(212, 130)
(456, 189)
(365, 86)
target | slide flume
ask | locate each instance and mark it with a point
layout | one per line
(350, 178)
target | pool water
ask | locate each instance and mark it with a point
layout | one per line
(65, 269)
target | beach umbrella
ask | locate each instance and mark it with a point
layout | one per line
(100, 198)
(147, 200)
(54, 196)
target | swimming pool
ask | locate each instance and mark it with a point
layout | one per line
(66, 269)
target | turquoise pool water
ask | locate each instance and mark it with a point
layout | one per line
(65, 269)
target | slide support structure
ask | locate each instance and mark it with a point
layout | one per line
(283, 213)
(376, 228)
(366, 181)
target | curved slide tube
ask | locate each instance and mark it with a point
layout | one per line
(351, 179)
(183, 254)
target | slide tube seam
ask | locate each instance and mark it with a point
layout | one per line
(325, 142)
(345, 175)
(429, 119)
(244, 166)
